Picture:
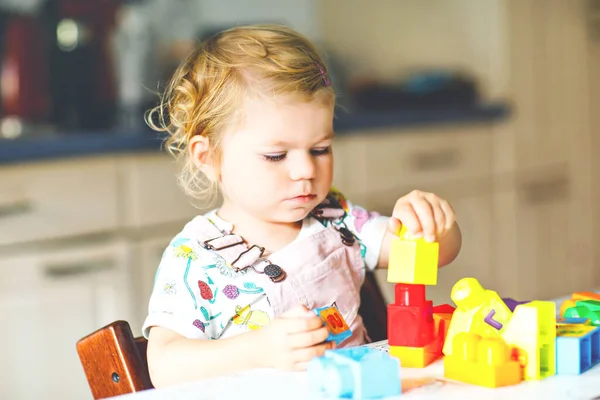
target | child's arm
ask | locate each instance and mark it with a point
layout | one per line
(288, 342)
(428, 216)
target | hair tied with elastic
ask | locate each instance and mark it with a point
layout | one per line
(323, 74)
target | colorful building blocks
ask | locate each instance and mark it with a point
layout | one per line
(355, 373)
(577, 348)
(481, 361)
(335, 322)
(589, 309)
(478, 311)
(531, 333)
(412, 260)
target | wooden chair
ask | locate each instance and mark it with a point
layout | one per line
(115, 362)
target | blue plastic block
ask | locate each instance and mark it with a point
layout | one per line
(573, 321)
(577, 351)
(335, 323)
(355, 373)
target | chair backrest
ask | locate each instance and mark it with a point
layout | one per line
(113, 361)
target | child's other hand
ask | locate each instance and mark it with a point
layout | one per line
(424, 215)
(294, 338)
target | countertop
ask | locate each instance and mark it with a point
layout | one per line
(77, 144)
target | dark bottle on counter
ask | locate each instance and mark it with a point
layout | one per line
(81, 70)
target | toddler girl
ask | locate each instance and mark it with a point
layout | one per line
(250, 114)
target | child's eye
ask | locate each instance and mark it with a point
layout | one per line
(274, 157)
(320, 151)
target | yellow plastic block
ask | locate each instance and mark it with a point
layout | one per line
(416, 357)
(531, 332)
(413, 261)
(483, 362)
(478, 311)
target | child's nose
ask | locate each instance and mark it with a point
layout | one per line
(303, 168)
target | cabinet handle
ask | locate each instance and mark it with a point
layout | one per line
(546, 190)
(436, 159)
(17, 208)
(57, 271)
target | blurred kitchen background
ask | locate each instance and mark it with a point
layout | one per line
(489, 103)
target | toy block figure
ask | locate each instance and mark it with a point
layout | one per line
(412, 260)
(478, 310)
(355, 373)
(481, 361)
(410, 318)
(577, 348)
(337, 326)
(589, 309)
(531, 334)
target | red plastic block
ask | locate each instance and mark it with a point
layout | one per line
(443, 309)
(410, 319)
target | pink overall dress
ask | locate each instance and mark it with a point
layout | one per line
(320, 269)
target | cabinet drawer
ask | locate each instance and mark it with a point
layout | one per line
(37, 270)
(151, 193)
(58, 199)
(421, 157)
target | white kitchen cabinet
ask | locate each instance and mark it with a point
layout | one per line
(50, 299)
(543, 245)
(150, 193)
(49, 200)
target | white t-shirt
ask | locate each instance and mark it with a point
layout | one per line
(198, 295)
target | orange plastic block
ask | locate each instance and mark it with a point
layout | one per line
(412, 261)
(531, 335)
(483, 362)
(478, 310)
(417, 357)
(442, 323)
(585, 296)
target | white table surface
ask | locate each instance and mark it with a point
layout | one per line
(425, 383)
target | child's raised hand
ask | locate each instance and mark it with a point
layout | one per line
(294, 338)
(424, 215)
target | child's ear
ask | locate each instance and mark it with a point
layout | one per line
(199, 148)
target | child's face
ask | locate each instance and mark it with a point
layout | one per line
(277, 164)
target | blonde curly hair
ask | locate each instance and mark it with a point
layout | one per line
(207, 90)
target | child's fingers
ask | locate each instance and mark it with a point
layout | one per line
(310, 338)
(301, 324)
(426, 217)
(394, 225)
(406, 213)
(449, 214)
(308, 353)
(439, 217)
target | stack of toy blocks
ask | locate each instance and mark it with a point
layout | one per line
(416, 330)
(489, 345)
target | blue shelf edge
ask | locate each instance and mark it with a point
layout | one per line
(58, 146)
